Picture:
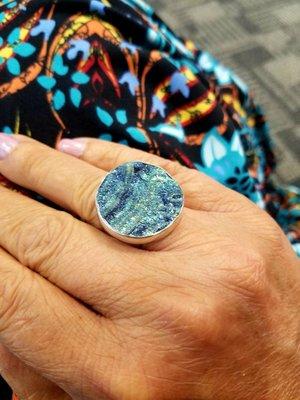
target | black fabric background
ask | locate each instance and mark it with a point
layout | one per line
(5, 392)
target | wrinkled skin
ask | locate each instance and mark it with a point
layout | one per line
(211, 312)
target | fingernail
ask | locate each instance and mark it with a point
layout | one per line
(71, 146)
(7, 144)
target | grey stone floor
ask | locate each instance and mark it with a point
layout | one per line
(260, 39)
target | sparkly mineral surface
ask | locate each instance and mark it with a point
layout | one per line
(139, 200)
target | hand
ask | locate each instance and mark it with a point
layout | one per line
(210, 312)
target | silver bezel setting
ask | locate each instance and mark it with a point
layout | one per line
(138, 240)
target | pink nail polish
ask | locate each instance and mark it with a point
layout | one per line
(71, 146)
(7, 144)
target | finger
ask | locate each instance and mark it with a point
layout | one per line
(72, 183)
(109, 276)
(25, 381)
(43, 327)
(64, 180)
(201, 192)
(69, 182)
(55, 245)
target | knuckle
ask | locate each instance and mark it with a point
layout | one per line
(255, 271)
(195, 322)
(42, 237)
(201, 325)
(83, 199)
(249, 273)
(119, 154)
(12, 304)
(113, 155)
(31, 160)
(173, 167)
(225, 201)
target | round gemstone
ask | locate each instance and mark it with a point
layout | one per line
(139, 200)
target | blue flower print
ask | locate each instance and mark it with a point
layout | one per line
(45, 27)
(13, 48)
(226, 163)
(179, 84)
(78, 46)
(158, 106)
(131, 80)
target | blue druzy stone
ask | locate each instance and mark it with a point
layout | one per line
(139, 200)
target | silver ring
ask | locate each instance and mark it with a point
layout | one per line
(138, 202)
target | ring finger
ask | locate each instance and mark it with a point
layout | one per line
(69, 182)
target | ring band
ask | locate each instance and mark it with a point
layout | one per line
(138, 202)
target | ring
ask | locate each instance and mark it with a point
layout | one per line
(138, 202)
